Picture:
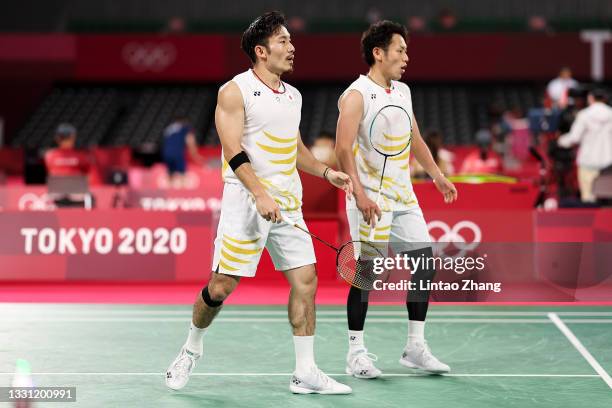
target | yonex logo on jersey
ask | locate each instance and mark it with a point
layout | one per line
(373, 96)
(257, 93)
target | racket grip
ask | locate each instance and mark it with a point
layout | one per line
(287, 219)
(283, 216)
(372, 233)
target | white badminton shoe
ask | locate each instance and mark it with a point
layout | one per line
(418, 355)
(360, 364)
(181, 368)
(317, 382)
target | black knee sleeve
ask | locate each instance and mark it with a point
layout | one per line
(208, 300)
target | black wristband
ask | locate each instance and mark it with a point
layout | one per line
(238, 160)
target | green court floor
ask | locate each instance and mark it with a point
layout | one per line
(116, 356)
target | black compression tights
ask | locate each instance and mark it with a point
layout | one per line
(357, 301)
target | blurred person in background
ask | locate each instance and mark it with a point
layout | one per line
(65, 160)
(484, 160)
(442, 157)
(592, 130)
(517, 139)
(558, 88)
(447, 20)
(179, 137)
(323, 149)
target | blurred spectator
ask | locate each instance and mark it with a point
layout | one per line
(179, 138)
(373, 15)
(537, 24)
(65, 160)
(67, 168)
(442, 157)
(447, 20)
(176, 25)
(296, 24)
(485, 160)
(592, 130)
(518, 137)
(323, 148)
(417, 24)
(558, 88)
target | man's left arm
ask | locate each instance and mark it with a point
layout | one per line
(422, 154)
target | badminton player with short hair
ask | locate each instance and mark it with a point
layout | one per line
(376, 135)
(257, 118)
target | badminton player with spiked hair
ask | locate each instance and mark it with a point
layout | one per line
(376, 134)
(257, 118)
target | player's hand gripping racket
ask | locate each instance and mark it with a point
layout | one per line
(354, 259)
(390, 135)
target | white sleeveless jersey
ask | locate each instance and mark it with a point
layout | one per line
(397, 193)
(271, 131)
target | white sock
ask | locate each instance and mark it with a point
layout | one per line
(304, 354)
(355, 340)
(194, 341)
(416, 332)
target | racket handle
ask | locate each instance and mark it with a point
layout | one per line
(287, 220)
(373, 230)
(283, 216)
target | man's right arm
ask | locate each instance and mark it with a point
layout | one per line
(351, 111)
(229, 119)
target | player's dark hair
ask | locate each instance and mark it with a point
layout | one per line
(379, 35)
(260, 30)
(599, 94)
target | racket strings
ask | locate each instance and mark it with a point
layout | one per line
(355, 263)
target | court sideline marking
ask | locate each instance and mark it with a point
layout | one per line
(580, 347)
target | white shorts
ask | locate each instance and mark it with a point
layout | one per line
(242, 235)
(404, 230)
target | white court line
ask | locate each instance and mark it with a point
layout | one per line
(284, 313)
(26, 319)
(581, 349)
(332, 374)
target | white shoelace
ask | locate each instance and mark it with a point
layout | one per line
(184, 365)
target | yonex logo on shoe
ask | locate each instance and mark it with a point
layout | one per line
(353, 338)
(295, 381)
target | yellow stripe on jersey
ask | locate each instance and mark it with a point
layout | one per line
(289, 172)
(290, 160)
(392, 149)
(396, 138)
(278, 150)
(280, 139)
(400, 157)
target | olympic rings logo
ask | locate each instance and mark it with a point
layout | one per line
(154, 57)
(33, 202)
(454, 235)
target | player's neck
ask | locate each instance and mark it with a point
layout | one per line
(379, 79)
(270, 79)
